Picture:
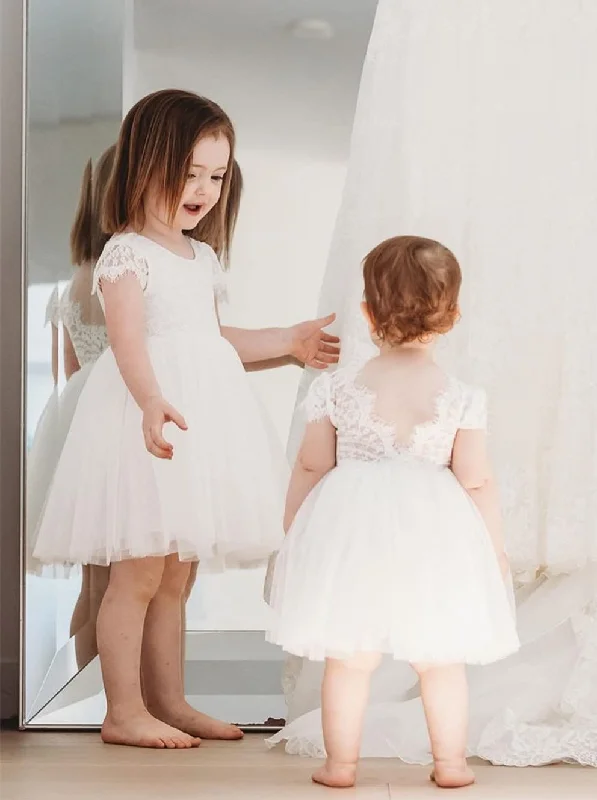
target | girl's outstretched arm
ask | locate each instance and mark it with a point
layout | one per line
(306, 342)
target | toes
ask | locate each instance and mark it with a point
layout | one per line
(160, 744)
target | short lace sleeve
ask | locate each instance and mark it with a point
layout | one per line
(474, 412)
(220, 280)
(116, 261)
(318, 403)
(53, 309)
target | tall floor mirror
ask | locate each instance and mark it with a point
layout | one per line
(289, 83)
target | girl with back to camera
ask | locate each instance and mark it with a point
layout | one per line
(394, 542)
(124, 494)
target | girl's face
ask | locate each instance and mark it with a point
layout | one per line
(203, 187)
(204, 181)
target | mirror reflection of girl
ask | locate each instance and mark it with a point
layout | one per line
(79, 317)
(45, 447)
(211, 490)
(394, 542)
(85, 339)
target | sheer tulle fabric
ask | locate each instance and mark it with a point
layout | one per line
(388, 553)
(220, 500)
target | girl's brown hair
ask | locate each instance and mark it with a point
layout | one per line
(87, 239)
(154, 150)
(411, 289)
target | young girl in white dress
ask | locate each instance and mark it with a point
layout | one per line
(394, 542)
(78, 316)
(211, 490)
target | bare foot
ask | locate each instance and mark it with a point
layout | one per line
(143, 730)
(193, 722)
(338, 776)
(452, 774)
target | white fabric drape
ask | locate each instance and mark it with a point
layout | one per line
(476, 125)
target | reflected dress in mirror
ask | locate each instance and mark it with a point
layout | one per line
(85, 338)
(46, 445)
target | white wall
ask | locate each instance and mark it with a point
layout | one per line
(56, 157)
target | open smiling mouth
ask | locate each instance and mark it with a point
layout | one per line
(193, 208)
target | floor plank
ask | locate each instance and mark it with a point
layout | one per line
(52, 766)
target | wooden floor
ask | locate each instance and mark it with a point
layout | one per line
(54, 766)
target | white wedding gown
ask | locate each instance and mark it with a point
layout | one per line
(476, 125)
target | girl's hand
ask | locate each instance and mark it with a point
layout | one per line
(312, 346)
(156, 413)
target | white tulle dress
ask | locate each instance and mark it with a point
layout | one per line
(219, 500)
(44, 451)
(85, 325)
(388, 553)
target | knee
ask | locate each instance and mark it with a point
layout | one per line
(175, 579)
(139, 580)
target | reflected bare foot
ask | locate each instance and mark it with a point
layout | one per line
(193, 722)
(338, 776)
(452, 774)
(143, 730)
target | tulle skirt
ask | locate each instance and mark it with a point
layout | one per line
(50, 435)
(219, 500)
(391, 557)
(539, 706)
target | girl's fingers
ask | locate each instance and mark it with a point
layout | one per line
(174, 416)
(326, 359)
(328, 348)
(165, 448)
(326, 337)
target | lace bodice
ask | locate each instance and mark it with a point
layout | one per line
(53, 309)
(180, 293)
(363, 436)
(89, 340)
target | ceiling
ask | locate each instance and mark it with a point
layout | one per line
(282, 91)
(178, 23)
(76, 51)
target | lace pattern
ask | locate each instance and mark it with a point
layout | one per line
(364, 436)
(89, 341)
(474, 415)
(53, 309)
(219, 276)
(116, 261)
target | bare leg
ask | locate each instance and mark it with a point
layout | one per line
(162, 669)
(86, 636)
(344, 698)
(81, 609)
(187, 593)
(445, 698)
(120, 633)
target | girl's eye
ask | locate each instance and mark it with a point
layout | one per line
(191, 176)
(218, 178)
